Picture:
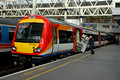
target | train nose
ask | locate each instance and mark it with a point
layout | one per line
(26, 47)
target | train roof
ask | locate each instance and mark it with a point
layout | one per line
(8, 21)
(73, 25)
(68, 23)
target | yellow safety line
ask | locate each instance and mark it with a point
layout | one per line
(57, 67)
(34, 71)
(61, 65)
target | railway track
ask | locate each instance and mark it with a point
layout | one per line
(10, 69)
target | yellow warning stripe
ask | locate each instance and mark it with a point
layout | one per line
(32, 21)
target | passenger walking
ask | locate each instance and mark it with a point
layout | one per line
(91, 44)
(84, 42)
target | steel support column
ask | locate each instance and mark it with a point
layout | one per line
(34, 8)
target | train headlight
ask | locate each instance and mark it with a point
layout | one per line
(14, 48)
(37, 50)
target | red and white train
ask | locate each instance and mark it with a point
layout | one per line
(37, 36)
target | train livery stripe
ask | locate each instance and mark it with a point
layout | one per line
(32, 20)
(5, 47)
(5, 44)
(57, 53)
(48, 47)
(64, 27)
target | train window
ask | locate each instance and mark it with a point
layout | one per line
(55, 35)
(29, 32)
(117, 5)
(94, 36)
(0, 34)
(11, 33)
(110, 37)
(103, 38)
(66, 36)
(12, 29)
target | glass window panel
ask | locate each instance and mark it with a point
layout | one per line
(117, 5)
(66, 36)
(11, 33)
(29, 32)
(55, 36)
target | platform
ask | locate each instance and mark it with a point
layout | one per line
(104, 65)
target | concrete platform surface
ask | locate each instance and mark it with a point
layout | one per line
(104, 65)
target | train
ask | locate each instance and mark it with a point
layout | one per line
(7, 29)
(37, 37)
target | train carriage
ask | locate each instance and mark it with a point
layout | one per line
(37, 36)
(7, 29)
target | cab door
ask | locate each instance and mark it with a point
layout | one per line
(55, 41)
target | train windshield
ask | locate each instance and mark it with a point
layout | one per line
(29, 32)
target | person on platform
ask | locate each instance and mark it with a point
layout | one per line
(84, 42)
(91, 44)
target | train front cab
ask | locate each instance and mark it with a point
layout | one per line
(30, 39)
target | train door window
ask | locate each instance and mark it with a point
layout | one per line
(78, 35)
(0, 34)
(11, 33)
(55, 35)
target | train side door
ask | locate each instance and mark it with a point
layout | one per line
(55, 42)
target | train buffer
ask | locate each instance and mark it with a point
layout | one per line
(102, 65)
